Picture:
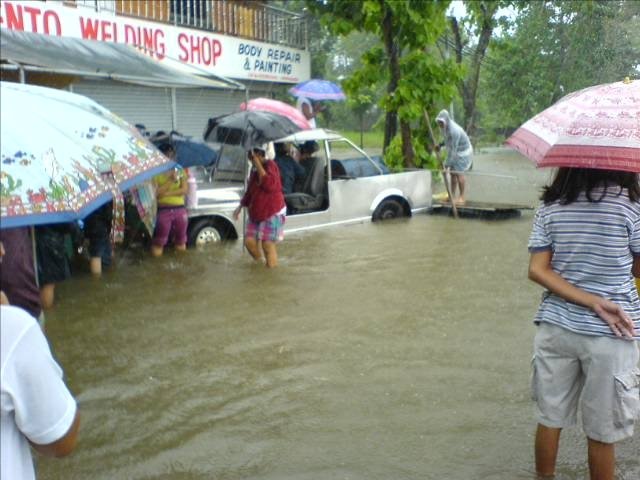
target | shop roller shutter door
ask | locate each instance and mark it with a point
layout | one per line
(196, 106)
(150, 106)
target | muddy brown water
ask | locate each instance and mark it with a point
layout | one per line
(395, 350)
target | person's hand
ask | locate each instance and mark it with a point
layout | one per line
(3, 299)
(619, 322)
(236, 213)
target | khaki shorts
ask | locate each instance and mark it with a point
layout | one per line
(599, 374)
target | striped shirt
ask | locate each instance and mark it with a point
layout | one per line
(593, 245)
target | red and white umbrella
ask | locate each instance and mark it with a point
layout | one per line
(276, 106)
(597, 127)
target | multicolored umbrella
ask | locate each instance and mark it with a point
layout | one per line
(63, 155)
(597, 127)
(318, 89)
(276, 106)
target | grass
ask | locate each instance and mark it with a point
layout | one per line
(370, 139)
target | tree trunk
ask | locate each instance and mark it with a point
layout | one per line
(469, 87)
(407, 144)
(391, 117)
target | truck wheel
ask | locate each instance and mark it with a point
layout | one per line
(389, 208)
(204, 232)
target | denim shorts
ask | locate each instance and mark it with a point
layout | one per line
(269, 230)
(597, 374)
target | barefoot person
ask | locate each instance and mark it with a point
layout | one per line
(265, 202)
(459, 151)
(172, 220)
(585, 247)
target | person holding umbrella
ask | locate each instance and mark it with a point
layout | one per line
(309, 109)
(311, 92)
(585, 250)
(264, 201)
(584, 246)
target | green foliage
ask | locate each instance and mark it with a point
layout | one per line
(405, 28)
(553, 49)
(394, 158)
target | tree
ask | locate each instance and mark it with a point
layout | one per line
(362, 108)
(477, 26)
(556, 48)
(414, 77)
(319, 39)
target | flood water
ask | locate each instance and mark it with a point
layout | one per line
(395, 350)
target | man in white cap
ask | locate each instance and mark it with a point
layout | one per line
(264, 201)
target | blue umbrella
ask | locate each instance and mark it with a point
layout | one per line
(189, 152)
(317, 89)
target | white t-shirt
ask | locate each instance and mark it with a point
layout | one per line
(302, 101)
(34, 401)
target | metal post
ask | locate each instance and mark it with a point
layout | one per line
(174, 110)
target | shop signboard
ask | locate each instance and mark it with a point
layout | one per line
(228, 56)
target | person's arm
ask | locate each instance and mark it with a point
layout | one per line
(246, 198)
(63, 446)
(270, 180)
(257, 163)
(44, 408)
(3, 299)
(170, 189)
(541, 272)
(308, 111)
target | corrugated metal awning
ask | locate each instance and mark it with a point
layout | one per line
(33, 52)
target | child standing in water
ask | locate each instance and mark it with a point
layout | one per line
(585, 250)
(265, 201)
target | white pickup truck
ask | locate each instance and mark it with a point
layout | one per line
(344, 185)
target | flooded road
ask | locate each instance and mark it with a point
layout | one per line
(395, 350)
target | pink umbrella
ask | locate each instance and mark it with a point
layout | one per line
(597, 127)
(276, 106)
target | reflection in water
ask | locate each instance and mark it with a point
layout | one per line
(377, 351)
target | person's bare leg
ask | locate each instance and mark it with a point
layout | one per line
(446, 175)
(182, 247)
(602, 460)
(461, 185)
(453, 185)
(546, 449)
(156, 250)
(253, 248)
(47, 292)
(95, 265)
(270, 253)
